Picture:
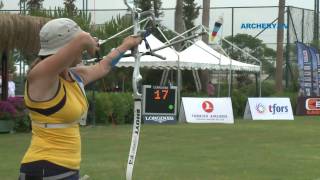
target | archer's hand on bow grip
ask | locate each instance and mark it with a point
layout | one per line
(97, 53)
(98, 56)
(131, 42)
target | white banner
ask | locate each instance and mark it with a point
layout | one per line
(206, 110)
(268, 109)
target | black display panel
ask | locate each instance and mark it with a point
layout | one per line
(159, 100)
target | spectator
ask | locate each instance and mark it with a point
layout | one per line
(11, 86)
(210, 89)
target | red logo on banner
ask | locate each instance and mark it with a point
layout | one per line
(313, 104)
(207, 106)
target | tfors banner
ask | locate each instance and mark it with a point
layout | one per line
(268, 109)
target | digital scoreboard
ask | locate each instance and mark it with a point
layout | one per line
(159, 104)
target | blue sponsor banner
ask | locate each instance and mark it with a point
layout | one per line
(305, 69)
(315, 70)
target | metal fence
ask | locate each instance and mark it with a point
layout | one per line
(233, 18)
(299, 23)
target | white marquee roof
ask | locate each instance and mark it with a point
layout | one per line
(204, 57)
(197, 56)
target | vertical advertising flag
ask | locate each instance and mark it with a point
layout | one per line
(216, 28)
(318, 72)
(315, 70)
(305, 69)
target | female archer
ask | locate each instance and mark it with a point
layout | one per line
(56, 100)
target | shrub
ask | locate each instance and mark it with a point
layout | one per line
(268, 88)
(13, 109)
(129, 102)
(22, 121)
(239, 101)
(115, 108)
(22, 124)
(103, 108)
(7, 111)
(293, 98)
(122, 105)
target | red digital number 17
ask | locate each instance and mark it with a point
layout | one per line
(164, 93)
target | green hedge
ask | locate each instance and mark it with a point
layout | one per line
(111, 108)
(117, 108)
(240, 95)
(293, 98)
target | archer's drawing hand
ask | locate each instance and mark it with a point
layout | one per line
(90, 43)
(131, 42)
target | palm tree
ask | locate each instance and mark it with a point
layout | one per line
(70, 7)
(1, 4)
(179, 27)
(34, 5)
(279, 61)
(178, 17)
(205, 17)
(204, 75)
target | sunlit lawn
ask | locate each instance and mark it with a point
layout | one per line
(247, 150)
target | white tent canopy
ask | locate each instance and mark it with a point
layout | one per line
(202, 56)
(152, 61)
(197, 56)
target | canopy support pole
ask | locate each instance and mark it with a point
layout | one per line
(164, 77)
(196, 80)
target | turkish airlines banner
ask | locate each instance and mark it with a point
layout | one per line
(268, 109)
(206, 110)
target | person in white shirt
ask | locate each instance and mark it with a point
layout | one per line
(11, 86)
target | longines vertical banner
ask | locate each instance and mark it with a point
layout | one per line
(305, 69)
(318, 74)
(315, 70)
(309, 77)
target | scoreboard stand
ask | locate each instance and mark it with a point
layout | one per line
(159, 104)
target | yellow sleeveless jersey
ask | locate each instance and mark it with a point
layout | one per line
(61, 146)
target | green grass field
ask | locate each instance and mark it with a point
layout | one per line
(247, 150)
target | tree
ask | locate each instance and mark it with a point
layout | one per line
(11, 63)
(34, 5)
(70, 7)
(190, 13)
(205, 21)
(145, 5)
(205, 17)
(253, 46)
(1, 4)
(178, 17)
(279, 62)
(154, 5)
